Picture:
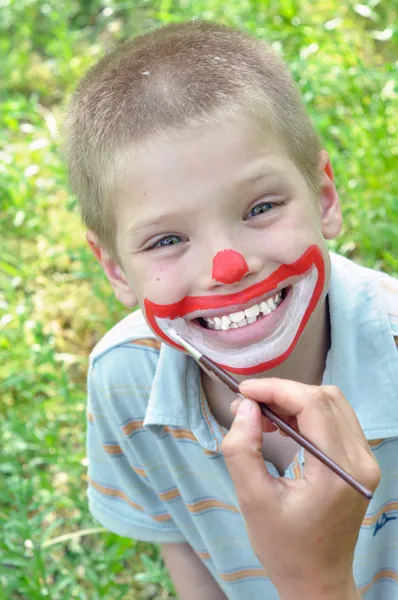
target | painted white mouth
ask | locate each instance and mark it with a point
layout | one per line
(244, 317)
(267, 349)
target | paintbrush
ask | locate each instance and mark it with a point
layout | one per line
(208, 365)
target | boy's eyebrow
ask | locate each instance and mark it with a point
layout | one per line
(136, 228)
(270, 173)
(265, 174)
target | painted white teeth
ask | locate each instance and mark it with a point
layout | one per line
(271, 304)
(246, 317)
(253, 311)
(238, 316)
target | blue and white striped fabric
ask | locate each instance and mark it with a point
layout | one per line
(156, 471)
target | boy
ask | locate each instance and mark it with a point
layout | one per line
(208, 200)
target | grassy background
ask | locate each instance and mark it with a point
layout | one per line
(55, 303)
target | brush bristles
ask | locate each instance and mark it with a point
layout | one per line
(186, 345)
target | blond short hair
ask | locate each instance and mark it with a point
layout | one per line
(165, 81)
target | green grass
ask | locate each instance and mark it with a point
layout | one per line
(55, 303)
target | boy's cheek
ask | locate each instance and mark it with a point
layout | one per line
(165, 292)
(288, 243)
(164, 288)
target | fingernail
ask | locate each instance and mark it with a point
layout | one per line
(244, 409)
(235, 404)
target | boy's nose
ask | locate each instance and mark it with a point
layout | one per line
(229, 267)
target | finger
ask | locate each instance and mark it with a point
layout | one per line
(242, 449)
(324, 418)
(357, 448)
(351, 425)
(317, 417)
(352, 436)
(326, 426)
(267, 425)
(289, 398)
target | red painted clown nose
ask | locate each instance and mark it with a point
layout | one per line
(229, 266)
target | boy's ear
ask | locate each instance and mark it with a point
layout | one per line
(114, 273)
(329, 203)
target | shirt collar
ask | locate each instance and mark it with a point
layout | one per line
(363, 358)
(177, 400)
(362, 362)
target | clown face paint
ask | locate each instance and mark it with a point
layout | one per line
(229, 266)
(257, 328)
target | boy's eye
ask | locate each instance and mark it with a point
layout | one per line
(260, 209)
(167, 240)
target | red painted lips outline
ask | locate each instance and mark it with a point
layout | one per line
(312, 257)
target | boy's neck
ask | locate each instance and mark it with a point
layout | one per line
(306, 364)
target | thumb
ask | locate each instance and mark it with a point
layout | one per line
(242, 449)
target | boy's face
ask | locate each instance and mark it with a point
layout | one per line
(216, 223)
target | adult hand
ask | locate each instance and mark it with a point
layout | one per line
(304, 530)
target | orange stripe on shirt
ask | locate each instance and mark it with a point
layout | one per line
(243, 574)
(112, 448)
(199, 505)
(296, 467)
(208, 503)
(169, 495)
(211, 453)
(203, 555)
(373, 443)
(147, 343)
(382, 574)
(161, 518)
(90, 418)
(389, 287)
(139, 471)
(113, 493)
(372, 520)
(177, 433)
(180, 434)
(131, 426)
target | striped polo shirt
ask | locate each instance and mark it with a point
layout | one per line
(156, 470)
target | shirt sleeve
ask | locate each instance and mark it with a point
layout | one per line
(120, 496)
